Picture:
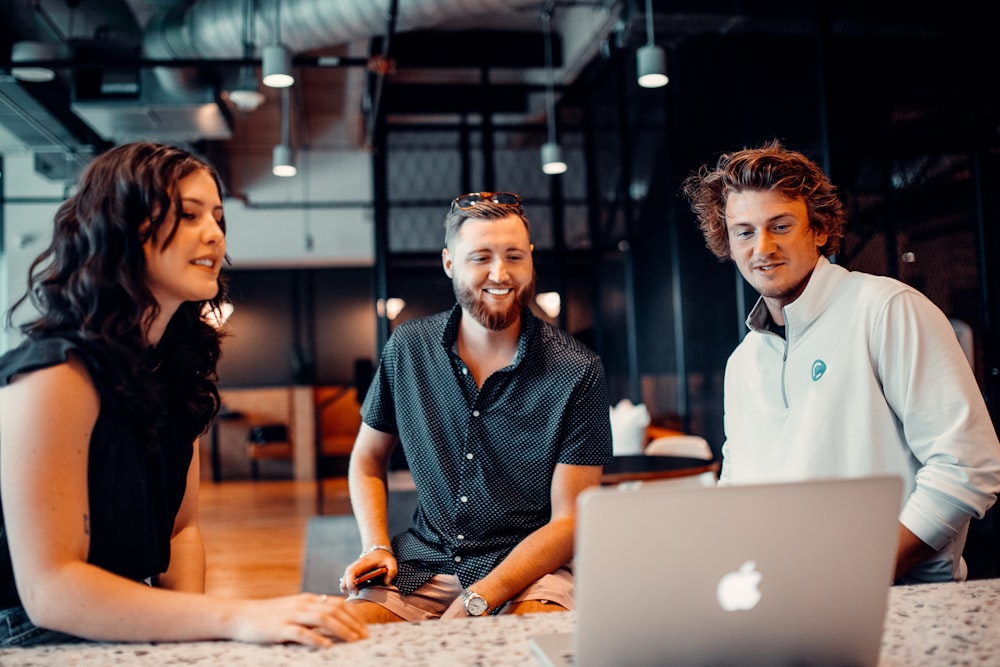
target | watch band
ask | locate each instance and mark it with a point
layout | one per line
(474, 603)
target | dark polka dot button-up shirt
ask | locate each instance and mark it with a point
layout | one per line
(483, 458)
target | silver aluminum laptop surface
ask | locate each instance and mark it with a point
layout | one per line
(772, 574)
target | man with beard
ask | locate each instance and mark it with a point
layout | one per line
(843, 374)
(503, 420)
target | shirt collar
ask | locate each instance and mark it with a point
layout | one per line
(529, 329)
(809, 304)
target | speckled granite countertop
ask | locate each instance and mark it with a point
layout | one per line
(936, 624)
(942, 624)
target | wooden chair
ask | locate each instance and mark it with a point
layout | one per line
(267, 441)
(338, 419)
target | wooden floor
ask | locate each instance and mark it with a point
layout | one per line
(255, 533)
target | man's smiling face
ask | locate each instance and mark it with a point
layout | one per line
(492, 272)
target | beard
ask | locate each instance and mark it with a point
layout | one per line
(493, 319)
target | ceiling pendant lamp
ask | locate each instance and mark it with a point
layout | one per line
(651, 60)
(32, 52)
(276, 59)
(282, 163)
(552, 158)
(277, 66)
(244, 95)
(282, 160)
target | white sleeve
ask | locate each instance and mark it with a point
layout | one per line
(930, 386)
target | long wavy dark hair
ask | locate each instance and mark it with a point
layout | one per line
(91, 283)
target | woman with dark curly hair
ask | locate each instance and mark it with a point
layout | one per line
(101, 407)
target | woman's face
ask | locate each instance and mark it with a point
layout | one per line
(188, 268)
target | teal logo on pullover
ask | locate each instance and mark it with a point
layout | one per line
(819, 368)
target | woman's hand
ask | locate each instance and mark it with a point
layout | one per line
(312, 620)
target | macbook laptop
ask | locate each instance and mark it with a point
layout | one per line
(774, 574)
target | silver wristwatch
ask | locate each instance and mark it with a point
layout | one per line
(475, 604)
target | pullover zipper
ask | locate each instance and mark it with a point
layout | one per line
(784, 366)
(784, 359)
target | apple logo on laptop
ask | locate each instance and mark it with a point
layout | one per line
(738, 591)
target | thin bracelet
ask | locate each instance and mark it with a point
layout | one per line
(375, 547)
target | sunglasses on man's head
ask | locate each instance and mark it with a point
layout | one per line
(473, 199)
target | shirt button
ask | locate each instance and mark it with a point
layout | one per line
(464, 499)
(458, 559)
(461, 537)
(465, 371)
(469, 456)
(475, 413)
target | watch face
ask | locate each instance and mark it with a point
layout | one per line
(476, 605)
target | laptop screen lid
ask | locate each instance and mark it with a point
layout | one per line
(788, 573)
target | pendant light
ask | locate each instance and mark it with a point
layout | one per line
(32, 52)
(276, 59)
(651, 60)
(245, 96)
(282, 160)
(552, 159)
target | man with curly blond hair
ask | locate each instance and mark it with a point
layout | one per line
(842, 374)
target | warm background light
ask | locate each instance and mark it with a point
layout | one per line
(217, 317)
(390, 307)
(550, 303)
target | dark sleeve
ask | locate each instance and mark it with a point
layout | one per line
(33, 355)
(587, 437)
(378, 409)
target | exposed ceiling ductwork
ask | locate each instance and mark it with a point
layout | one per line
(218, 28)
(182, 104)
(215, 29)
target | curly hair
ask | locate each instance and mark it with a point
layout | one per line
(771, 167)
(90, 282)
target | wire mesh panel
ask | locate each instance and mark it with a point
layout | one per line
(429, 168)
(423, 165)
(416, 229)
